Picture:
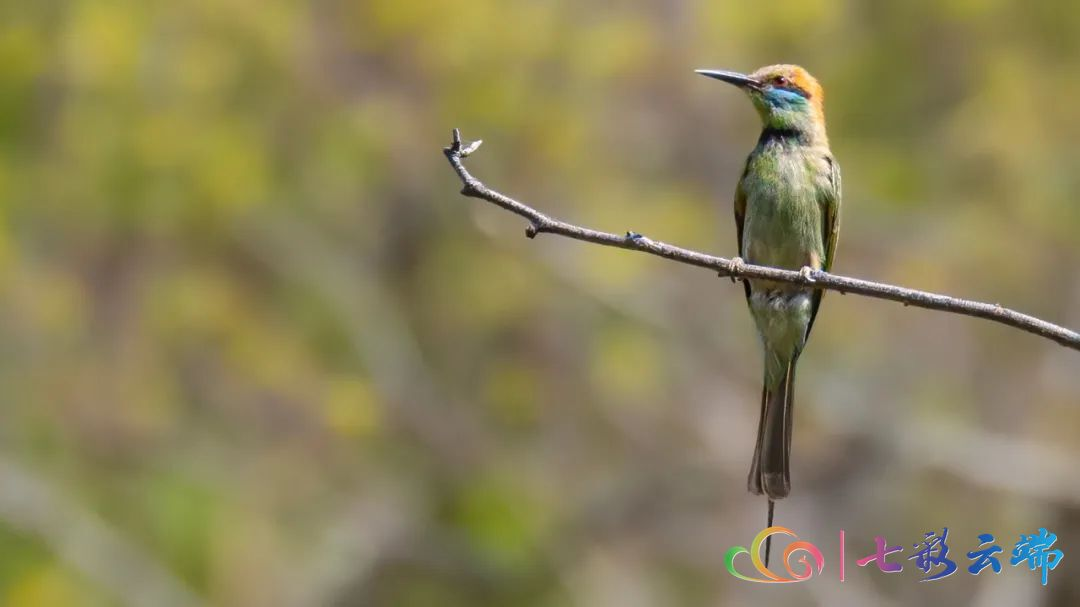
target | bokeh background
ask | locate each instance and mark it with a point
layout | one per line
(258, 351)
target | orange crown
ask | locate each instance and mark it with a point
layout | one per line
(795, 77)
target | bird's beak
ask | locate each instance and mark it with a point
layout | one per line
(739, 80)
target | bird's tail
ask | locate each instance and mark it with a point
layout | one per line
(770, 471)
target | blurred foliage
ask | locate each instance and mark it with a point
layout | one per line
(256, 344)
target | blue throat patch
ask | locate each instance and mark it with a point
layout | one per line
(785, 98)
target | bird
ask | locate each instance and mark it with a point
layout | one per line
(787, 215)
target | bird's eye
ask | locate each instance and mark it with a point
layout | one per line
(780, 81)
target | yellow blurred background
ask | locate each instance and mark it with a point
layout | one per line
(258, 351)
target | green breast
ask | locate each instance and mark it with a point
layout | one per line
(783, 222)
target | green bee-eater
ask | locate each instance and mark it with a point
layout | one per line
(787, 215)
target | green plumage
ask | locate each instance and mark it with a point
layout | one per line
(787, 209)
(786, 205)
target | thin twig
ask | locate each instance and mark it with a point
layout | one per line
(540, 223)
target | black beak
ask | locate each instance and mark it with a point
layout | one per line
(739, 80)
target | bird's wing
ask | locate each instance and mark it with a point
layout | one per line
(740, 216)
(830, 205)
(829, 199)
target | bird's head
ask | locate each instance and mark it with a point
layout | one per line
(786, 96)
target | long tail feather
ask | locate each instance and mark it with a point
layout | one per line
(775, 436)
(753, 480)
(768, 540)
(770, 469)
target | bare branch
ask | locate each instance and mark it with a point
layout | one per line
(540, 223)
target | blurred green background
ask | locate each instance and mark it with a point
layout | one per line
(258, 351)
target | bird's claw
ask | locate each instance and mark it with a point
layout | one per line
(735, 267)
(807, 273)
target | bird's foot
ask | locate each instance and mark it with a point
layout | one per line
(735, 266)
(807, 273)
